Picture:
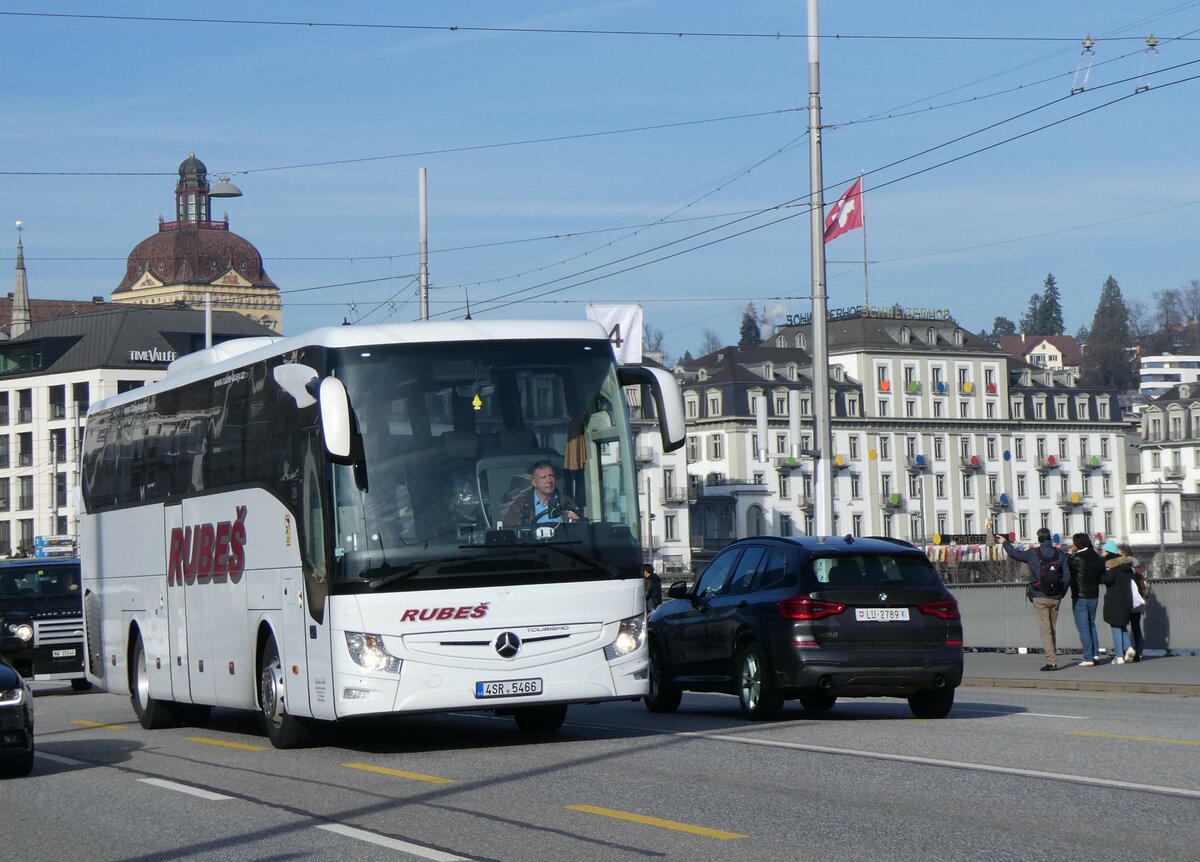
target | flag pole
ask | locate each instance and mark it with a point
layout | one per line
(866, 286)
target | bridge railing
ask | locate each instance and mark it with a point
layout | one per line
(998, 616)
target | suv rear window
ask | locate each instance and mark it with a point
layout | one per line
(870, 571)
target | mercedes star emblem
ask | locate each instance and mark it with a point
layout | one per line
(508, 644)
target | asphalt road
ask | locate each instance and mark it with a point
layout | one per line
(1013, 773)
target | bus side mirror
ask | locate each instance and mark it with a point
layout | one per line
(668, 401)
(337, 431)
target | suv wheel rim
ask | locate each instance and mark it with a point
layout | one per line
(751, 680)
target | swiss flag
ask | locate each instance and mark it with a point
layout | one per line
(847, 213)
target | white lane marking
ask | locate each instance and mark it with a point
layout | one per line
(953, 764)
(58, 758)
(1017, 714)
(184, 788)
(391, 843)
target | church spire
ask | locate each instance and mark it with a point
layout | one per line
(20, 301)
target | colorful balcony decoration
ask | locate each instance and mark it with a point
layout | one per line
(991, 389)
(885, 386)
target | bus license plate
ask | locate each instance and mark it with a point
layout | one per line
(508, 688)
(881, 615)
(62, 653)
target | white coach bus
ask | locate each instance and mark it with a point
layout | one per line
(330, 525)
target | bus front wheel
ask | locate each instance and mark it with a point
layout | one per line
(152, 714)
(284, 730)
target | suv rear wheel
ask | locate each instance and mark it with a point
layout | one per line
(756, 691)
(932, 704)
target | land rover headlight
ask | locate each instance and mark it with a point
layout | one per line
(22, 630)
(630, 637)
(368, 651)
(12, 696)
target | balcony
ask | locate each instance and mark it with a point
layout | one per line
(912, 387)
(892, 502)
(916, 464)
(885, 386)
(1046, 463)
(938, 388)
(672, 564)
(673, 495)
(999, 502)
(990, 388)
(966, 387)
(643, 455)
(839, 462)
(1174, 473)
(805, 503)
(1089, 464)
(724, 486)
(1070, 500)
(971, 465)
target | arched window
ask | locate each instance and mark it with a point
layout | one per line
(905, 335)
(755, 523)
(1141, 521)
(1167, 518)
(781, 341)
(800, 340)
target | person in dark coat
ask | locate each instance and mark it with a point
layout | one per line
(653, 585)
(1086, 566)
(1118, 600)
(1045, 607)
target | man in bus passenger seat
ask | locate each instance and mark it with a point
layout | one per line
(544, 503)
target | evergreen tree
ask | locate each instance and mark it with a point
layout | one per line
(1050, 316)
(1106, 360)
(686, 359)
(1031, 322)
(749, 334)
(1002, 326)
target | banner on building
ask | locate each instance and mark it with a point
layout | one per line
(623, 323)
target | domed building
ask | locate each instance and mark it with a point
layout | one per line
(194, 256)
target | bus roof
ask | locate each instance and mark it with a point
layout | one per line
(238, 352)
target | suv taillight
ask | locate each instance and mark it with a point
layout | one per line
(943, 609)
(805, 608)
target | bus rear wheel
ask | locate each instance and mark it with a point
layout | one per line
(284, 730)
(152, 714)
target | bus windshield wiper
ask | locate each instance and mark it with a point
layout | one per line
(383, 575)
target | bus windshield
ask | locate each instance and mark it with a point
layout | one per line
(492, 460)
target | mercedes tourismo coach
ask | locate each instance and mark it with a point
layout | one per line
(341, 524)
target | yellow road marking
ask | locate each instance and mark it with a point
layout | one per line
(414, 776)
(241, 746)
(656, 821)
(1135, 738)
(82, 723)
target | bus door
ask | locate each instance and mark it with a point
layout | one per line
(177, 629)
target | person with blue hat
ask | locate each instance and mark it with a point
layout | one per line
(1118, 600)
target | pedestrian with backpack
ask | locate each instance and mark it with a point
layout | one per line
(1118, 600)
(1086, 567)
(1048, 579)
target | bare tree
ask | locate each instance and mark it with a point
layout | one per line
(652, 339)
(1139, 319)
(710, 342)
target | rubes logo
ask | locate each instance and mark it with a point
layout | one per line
(204, 553)
(465, 612)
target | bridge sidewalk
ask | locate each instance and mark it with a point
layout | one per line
(1173, 674)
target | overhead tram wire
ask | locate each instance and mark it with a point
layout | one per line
(910, 175)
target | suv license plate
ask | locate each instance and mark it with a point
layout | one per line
(508, 688)
(62, 653)
(881, 615)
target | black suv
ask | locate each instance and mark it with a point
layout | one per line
(814, 619)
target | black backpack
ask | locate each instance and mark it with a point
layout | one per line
(1050, 581)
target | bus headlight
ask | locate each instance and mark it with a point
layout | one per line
(630, 637)
(22, 630)
(368, 652)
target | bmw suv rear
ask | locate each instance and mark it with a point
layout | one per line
(773, 619)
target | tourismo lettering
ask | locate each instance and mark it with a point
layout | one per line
(465, 612)
(204, 553)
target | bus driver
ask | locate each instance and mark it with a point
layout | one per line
(544, 504)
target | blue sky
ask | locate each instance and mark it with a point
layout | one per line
(571, 163)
